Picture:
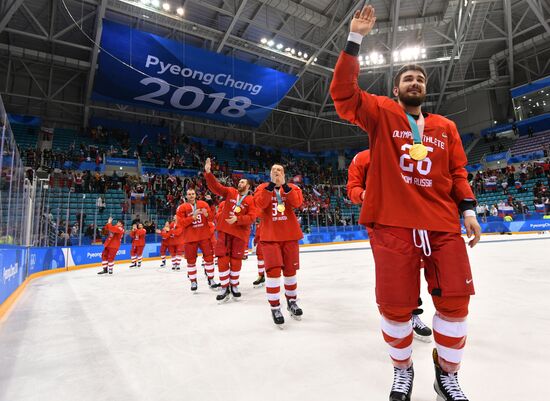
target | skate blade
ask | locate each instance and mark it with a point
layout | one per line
(280, 326)
(259, 285)
(223, 301)
(423, 339)
(236, 299)
(298, 318)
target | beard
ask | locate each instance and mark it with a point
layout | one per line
(410, 100)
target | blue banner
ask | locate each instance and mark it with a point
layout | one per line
(116, 161)
(183, 172)
(159, 73)
(530, 87)
(496, 156)
(12, 265)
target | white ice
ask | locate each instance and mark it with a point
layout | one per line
(142, 334)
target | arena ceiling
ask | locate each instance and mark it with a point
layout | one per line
(47, 61)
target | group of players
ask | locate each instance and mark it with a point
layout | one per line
(412, 187)
(196, 224)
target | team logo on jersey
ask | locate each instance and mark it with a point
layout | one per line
(444, 135)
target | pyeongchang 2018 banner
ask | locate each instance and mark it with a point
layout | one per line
(175, 77)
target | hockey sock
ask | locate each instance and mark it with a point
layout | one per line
(223, 269)
(399, 337)
(450, 338)
(291, 285)
(236, 264)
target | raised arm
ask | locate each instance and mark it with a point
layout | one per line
(352, 103)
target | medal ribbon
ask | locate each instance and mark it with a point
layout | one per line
(417, 139)
(240, 200)
(279, 199)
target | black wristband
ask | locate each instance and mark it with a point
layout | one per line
(467, 204)
(270, 187)
(352, 48)
(286, 188)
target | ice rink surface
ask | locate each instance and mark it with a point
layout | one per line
(142, 334)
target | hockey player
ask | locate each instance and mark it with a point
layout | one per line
(417, 185)
(280, 234)
(165, 239)
(194, 216)
(111, 245)
(138, 243)
(356, 185)
(236, 217)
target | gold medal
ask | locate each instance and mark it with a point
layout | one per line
(281, 208)
(237, 209)
(418, 151)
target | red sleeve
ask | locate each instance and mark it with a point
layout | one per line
(132, 234)
(357, 173)
(176, 231)
(352, 103)
(215, 186)
(294, 198)
(204, 205)
(457, 168)
(165, 234)
(262, 198)
(180, 214)
(250, 216)
(114, 229)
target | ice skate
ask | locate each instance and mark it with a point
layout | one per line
(110, 270)
(224, 294)
(194, 286)
(446, 384)
(295, 311)
(260, 281)
(278, 317)
(104, 271)
(163, 264)
(133, 265)
(212, 284)
(235, 291)
(421, 331)
(401, 388)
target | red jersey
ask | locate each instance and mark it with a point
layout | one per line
(138, 237)
(177, 235)
(115, 234)
(279, 226)
(400, 191)
(165, 235)
(357, 176)
(219, 212)
(194, 230)
(245, 213)
(257, 234)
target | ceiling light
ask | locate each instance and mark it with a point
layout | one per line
(300, 54)
(263, 41)
(279, 46)
(180, 11)
(305, 55)
(155, 3)
(287, 49)
(292, 51)
(315, 60)
(166, 6)
(270, 43)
